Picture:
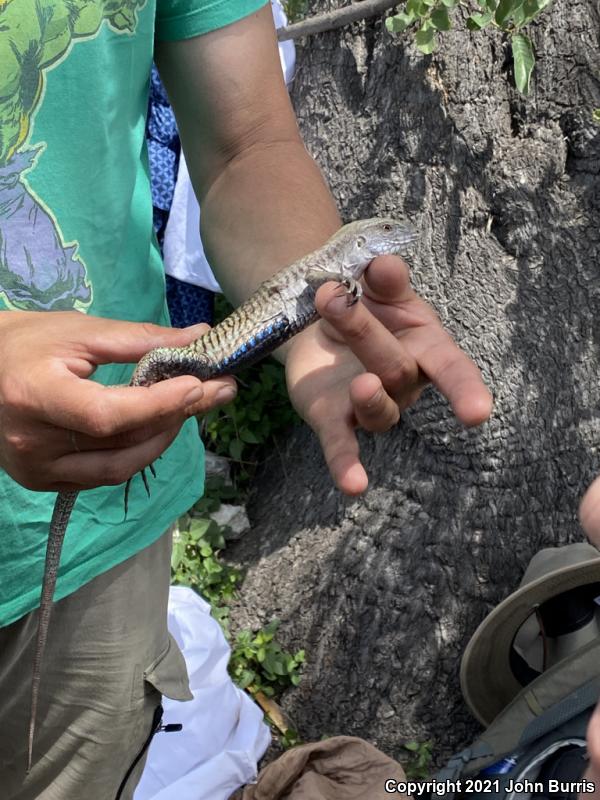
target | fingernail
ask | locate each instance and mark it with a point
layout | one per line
(196, 394)
(226, 394)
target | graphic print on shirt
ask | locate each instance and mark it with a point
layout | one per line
(39, 271)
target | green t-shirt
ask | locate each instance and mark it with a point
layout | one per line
(76, 233)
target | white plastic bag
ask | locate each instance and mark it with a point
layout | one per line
(223, 734)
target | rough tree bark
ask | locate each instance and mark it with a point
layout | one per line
(384, 591)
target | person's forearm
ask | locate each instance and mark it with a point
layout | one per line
(268, 207)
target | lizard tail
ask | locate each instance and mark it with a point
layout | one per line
(60, 519)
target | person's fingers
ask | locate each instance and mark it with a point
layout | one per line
(387, 280)
(401, 361)
(340, 448)
(374, 409)
(107, 341)
(101, 411)
(455, 375)
(214, 393)
(379, 351)
(387, 290)
(76, 471)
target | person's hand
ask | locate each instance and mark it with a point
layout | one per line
(362, 365)
(589, 514)
(59, 431)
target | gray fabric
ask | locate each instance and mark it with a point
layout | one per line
(567, 709)
(109, 658)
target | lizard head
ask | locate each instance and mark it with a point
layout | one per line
(368, 238)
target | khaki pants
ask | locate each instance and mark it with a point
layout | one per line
(108, 660)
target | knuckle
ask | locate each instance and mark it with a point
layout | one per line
(396, 372)
(359, 327)
(13, 396)
(100, 421)
(20, 443)
(379, 420)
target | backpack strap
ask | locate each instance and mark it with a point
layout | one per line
(563, 711)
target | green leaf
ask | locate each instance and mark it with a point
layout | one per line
(177, 553)
(531, 9)
(450, 3)
(504, 10)
(441, 20)
(245, 679)
(477, 22)
(425, 39)
(524, 60)
(416, 8)
(248, 437)
(235, 449)
(273, 626)
(399, 22)
(596, 115)
(275, 664)
(198, 528)
(412, 746)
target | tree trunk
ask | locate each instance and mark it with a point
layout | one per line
(383, 592)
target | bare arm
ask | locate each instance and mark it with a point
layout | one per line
(264, 201)
(264, 204)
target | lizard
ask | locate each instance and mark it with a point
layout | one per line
(281, 307)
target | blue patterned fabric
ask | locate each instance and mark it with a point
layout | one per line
(187, 304)
(164, 148)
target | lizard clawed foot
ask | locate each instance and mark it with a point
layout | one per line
(146, 485)
(352, 290)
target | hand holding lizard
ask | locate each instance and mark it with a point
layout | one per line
(362, 365)
(59, 431)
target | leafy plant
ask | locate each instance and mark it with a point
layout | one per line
(290, 738)
(418, 765)
(195, 561)
(295, 9)
(429, 17)
(259, 664)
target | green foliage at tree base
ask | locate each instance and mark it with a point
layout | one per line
(418, 764)
(257, 662)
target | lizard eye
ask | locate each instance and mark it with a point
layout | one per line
(387, 227)
(360, 241)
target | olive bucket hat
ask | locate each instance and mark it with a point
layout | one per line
(487, 675)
